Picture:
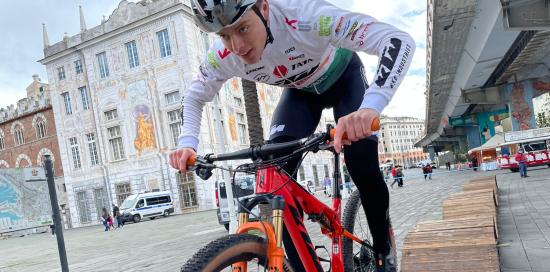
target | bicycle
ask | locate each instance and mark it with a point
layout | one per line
(243, 251)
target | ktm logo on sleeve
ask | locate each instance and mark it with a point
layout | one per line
(387, 61)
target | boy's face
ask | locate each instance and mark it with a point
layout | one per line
(247, 37)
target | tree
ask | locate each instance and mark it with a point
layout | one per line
(252, 106)
(255, 128)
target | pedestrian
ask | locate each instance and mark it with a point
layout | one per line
(394, 175)
(397, 173)
(327, 183)
(521, 159)
(52, 226)
(425, 171)
(117, 216)
(400, 175)
(474, 163)
(110, 222)
(429, 170)
(448, 164)
(105, 218)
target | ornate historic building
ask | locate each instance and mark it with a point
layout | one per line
(116, 92)
(396, 140)
(28, 132)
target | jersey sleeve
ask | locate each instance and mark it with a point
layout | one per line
(212, 75)
(362, 33)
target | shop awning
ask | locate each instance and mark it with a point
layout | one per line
(495, 141)
(525, 141)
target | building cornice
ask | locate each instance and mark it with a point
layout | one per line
(108, 35)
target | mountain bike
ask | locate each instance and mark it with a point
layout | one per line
(259, 244)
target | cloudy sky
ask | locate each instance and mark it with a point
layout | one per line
(22, 45)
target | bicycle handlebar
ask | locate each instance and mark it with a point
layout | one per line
(272, 149)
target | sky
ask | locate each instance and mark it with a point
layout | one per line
(22, 45)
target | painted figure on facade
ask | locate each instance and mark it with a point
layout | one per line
(145, 135)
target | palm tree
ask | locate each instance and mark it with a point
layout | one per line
(252, 106)
(255, 128)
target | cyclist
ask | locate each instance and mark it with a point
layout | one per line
(309, 48)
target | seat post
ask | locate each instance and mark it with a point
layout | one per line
(336, 193)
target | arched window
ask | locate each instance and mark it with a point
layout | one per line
(18, 134)
(39, 123)
(23, 161)
(40, 129)
(4, 164)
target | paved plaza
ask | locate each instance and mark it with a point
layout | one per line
(524, 221)
(165, 244)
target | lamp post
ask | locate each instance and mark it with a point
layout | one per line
(48, 166)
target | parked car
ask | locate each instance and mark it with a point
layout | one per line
(146, 205)
(244, 186)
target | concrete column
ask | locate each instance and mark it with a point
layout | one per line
(431, 151)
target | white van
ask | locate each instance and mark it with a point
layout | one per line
(244, 186)
(151, 205)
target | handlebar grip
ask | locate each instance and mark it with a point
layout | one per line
(191, 161)
(375, 126)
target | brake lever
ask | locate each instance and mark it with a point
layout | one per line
(329, 146)
(203, 167)
(204, 173)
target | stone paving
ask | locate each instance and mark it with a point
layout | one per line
(524, 221)
(165, 244)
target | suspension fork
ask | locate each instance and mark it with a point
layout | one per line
(273, 232)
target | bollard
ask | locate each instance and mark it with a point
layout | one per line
(48, 166)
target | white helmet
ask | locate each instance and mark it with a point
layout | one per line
(213, 15)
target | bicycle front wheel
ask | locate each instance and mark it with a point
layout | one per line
(220, 254)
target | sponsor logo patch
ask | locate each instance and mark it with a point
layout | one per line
(291, 23)
(280, 71)
(262, 77)
(401, 66)
(352, 29)
(297, 57)
(255, 70)
(339, 25)
(290, 50)
(324, 25)
(300, 77)
(387, 61)
(300, 64)
(224, 54)
(212, 61)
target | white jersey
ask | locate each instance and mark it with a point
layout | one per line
(312, 42)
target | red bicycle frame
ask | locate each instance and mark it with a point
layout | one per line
(272, 181)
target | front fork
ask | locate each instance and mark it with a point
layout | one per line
(273, 232)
